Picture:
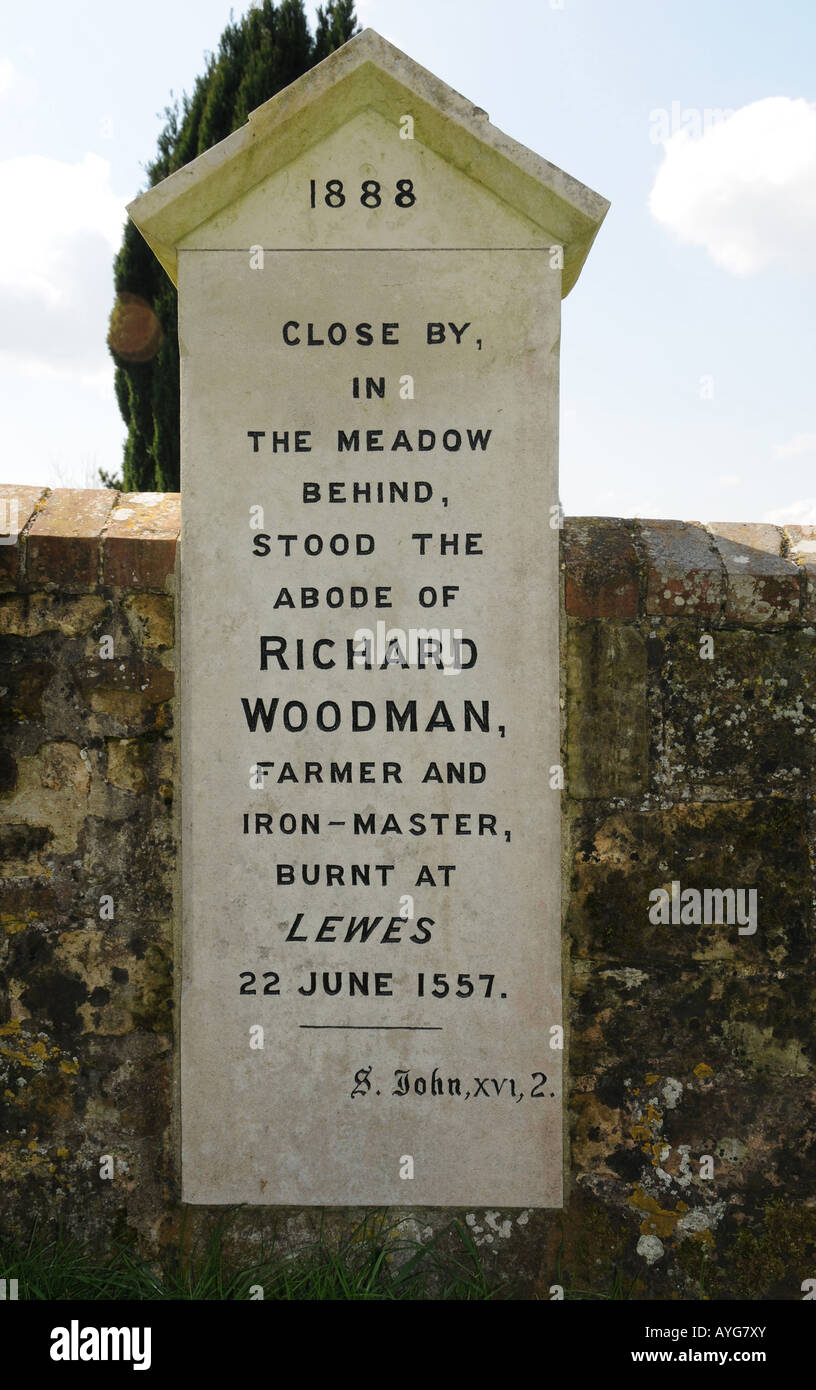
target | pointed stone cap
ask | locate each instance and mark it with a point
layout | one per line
(369, 73)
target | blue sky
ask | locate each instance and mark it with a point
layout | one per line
(688, 346)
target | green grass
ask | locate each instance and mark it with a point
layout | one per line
(373, 1264)
(617, 1292)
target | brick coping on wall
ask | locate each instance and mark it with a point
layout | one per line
(753, 574)
(75, 539)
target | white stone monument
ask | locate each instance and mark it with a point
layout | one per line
(370, 277)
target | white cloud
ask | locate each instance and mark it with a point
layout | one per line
(54, 205)
(795, 447)
(57, 242)
(14, 84)
(729, 480)
(746, 188)
(802, 513)
(8, 77)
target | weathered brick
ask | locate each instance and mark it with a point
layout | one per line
(134, 693)
(26, 902)
(23, 686)
(607, 735)
(762, 588)
(683, 573)
(802, 543)
(736, 711)
(52, 792)
(151, 683)
(8, 771)
(32, 615)
(150, 619)
(63, 542)
(17, 506)
(139, 545)
(601, 568)
(138, 765)
(113, 1006)
(620, 858)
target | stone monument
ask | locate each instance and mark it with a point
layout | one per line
(370, 277)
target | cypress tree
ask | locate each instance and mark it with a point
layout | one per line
(257, 57)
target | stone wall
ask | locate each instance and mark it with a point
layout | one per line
(86, 998)
(688, 684)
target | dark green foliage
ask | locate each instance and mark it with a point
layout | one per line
(257, 57)
(335, 24)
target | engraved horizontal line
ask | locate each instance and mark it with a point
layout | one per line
(377, 1027)
(330, 250)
